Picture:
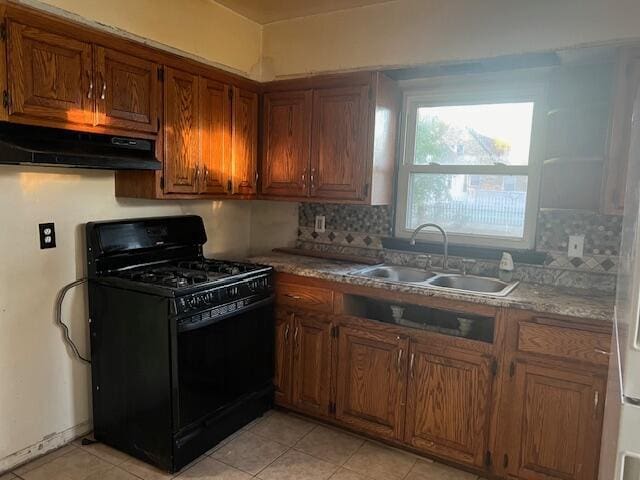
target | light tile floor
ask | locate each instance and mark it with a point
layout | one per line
(278, 446)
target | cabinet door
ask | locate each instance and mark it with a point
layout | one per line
(50, 76)
(245, 142)
(448, 398)
(215, 136)
(287, 137)
(126, 91)
(181, 142)
(312, 363)
(283, 357)
(371, 383)
(557, 417)
(339, 143)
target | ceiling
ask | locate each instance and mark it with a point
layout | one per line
(267, 11)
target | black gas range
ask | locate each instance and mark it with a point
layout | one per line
(182, 345)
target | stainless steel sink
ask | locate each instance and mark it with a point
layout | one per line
(395, 273)
(468, 283)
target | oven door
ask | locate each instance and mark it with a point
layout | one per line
(220, 363)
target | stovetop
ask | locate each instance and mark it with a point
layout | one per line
(184, 276)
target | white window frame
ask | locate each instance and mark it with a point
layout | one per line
(470, 93)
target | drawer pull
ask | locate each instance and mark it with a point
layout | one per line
(400, 353)
(295, 336)
(411, 360)
(286, 334)
(291, 295)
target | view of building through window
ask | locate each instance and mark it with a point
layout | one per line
(467, 187)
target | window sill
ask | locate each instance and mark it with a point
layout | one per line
(530, 257)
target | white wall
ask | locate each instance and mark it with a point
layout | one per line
(410, 32)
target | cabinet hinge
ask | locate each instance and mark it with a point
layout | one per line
(505, 461)
(3, 31)
(335, 331)
(494, 367)
(487, 458)
(512, 369)
(161, 183)
(161, 74)
(332, 407)
(5, 99)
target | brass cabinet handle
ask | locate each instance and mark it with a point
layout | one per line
(400, 353)
(291, 295)
(286, 334)
(104, 90)
(90, 92)
(295, 335)
(411, 360)
(602, 352)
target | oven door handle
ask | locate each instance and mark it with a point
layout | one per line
(205, 323)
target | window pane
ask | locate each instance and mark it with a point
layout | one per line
(469, 204)
(474, 134)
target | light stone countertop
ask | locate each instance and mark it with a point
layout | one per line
(578, 303)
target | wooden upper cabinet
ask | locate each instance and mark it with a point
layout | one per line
(244, 156)
(215, 137)
(181, 132)
(126, 91)
(557, 422)
(371, 381)
(311, 362)
(286, 143)
(50, 77)
(339, 143)
(353, 121)
(448, 399)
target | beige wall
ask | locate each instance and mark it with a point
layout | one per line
(199, 27)
(409, 32)
(43, 390)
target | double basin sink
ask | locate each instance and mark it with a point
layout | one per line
(445, 281)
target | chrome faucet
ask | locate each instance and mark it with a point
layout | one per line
(445, 241)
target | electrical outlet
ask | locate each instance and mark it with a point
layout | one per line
(576, 246)
(47, 235)
(320, 224)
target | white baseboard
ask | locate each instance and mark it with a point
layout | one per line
(47, 444)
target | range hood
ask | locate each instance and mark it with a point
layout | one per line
(27, 145)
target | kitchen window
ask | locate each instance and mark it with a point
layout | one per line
(470, 163)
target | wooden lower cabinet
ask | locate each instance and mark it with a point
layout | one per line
(283, 357)
(528, 406)
(556, 423)
(311, 363)
(371, 381)
(303, 361)
(448, 403)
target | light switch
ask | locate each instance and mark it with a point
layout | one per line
(576, 246)
(320, 224)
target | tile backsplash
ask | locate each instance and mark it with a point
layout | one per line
(358, 230)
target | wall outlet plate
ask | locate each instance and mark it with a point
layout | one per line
(320, 223)
(47, 235)
(576, 246)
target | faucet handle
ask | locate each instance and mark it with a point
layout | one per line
(466, 264)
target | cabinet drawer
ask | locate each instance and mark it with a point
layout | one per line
(570, 343)
(311, 298)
